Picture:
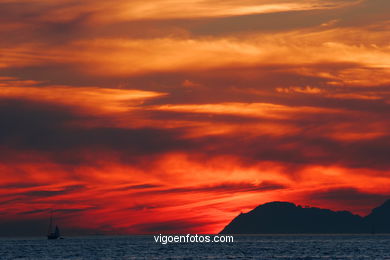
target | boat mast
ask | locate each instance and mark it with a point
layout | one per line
(51, 223)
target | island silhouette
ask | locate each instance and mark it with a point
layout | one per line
(288, 218)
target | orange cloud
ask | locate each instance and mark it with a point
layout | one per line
(139, 56)
(101, 11)
(305, 90)
(265, 110)
(93, 98)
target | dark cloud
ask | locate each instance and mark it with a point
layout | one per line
(349, 197)
(137, 187)
(32, 212)
(366, 13)
(19, 185)
(49, 210)
(222, 188)
(281, 21)
(44, 128)
(138, 207)
(48, 129)
(347, 194)
(52, 193)
(303, 149)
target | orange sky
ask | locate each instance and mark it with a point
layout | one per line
(167, 116)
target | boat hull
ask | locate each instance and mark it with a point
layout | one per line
(52, 237)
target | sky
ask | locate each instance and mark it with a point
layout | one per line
(168, 116)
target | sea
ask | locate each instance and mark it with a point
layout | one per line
(244, 247)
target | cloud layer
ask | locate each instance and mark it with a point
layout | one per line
(164, 117)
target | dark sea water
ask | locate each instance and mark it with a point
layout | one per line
(244, 247)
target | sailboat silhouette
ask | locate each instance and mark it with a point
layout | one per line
(50, 233)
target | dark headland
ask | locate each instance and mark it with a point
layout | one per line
(288, 218)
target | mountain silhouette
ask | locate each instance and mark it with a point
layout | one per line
(379, 218)
(288, 218)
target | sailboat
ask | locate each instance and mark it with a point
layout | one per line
(50, 233)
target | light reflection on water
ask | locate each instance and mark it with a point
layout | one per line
(245, 247)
